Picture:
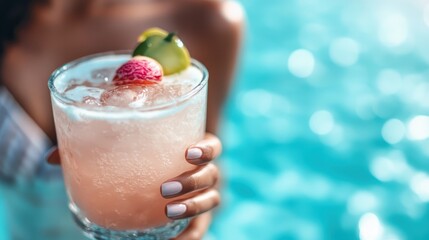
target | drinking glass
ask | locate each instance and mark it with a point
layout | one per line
(114, 159)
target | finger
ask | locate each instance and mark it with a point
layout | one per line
(193, 206)
(204, 151)
(195, 180)
(197, 228)
(53, 156)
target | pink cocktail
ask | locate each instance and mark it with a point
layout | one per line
(118, 144)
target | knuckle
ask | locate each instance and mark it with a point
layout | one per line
(214, 172)
(194, 235)
(211, 145)
(193, 181)
(193, 208)
(215, 141)
(216, 198)
(208, 152)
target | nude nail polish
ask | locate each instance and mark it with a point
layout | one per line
(194, 153)
(171, 188)
(174, 210)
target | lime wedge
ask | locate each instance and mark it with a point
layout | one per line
(167, 49)
(152, 32)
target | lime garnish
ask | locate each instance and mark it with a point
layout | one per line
(165, 48)
(152, 32)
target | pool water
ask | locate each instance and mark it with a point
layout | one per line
(3, 233)
(326, 132)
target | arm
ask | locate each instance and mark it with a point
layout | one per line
(212, 30)
(215, 40)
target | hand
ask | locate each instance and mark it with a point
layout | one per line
(201, 181)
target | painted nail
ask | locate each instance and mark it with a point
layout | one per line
(171, 188)
(174, 210)
(194, 153)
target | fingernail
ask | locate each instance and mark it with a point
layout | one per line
(174, 210)
(171, 188)
(194, 153)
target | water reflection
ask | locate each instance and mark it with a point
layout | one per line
(327, 131)
(322, 122)
(301, 63)
(393, 29)
(393, 131)
(344, 51)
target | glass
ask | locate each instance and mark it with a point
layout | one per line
(33, 209)
(115, 159)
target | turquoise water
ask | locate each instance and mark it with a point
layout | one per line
(326, 131)
(3, 233)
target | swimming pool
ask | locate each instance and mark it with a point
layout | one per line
(326, 132)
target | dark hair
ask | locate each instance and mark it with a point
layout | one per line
(13, 15)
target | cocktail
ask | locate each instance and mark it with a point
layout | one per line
(122, 130)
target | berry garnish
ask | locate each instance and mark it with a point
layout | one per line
(139, 70)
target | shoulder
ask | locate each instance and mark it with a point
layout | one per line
(228, 10)
(211, 28)
(213, 17)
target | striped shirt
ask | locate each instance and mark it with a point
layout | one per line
(22, 144)
(33, 190)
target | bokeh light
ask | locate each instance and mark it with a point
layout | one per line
(327, 133)
(301, 63)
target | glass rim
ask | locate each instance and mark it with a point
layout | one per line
(170, 104)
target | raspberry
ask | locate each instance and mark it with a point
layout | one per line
(140, 71)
